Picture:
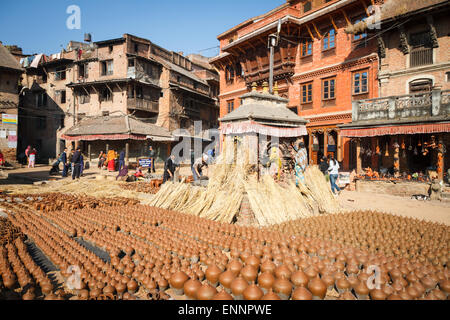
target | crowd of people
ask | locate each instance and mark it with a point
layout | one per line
(72, 161)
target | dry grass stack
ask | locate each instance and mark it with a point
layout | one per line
(271, 202)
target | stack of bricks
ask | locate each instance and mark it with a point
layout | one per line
(246, 216)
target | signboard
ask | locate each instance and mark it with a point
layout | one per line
(3, 134)
(344, 179)
(145, 163)
(9, 118)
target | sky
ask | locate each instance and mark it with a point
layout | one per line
(39, 26)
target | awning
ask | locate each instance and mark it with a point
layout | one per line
(104, 137)
(396, 130)
(254, 127)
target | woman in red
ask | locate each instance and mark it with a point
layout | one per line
(2, 159)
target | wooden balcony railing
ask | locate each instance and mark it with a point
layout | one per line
(143, 104)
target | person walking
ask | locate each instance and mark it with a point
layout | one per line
(71, 161)
(63, 159)
(169, 169)
(121, 159)
(152, 155)
(333, 169)
(32, 158)
(76, 161)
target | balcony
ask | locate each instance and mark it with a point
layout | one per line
(143, 105)
(413, 106)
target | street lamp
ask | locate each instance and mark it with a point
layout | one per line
(273, 42)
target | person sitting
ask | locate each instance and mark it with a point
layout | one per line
(139, 173)
(123, 174)
(101, 159)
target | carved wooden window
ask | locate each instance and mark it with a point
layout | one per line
(421, 49)
(306, 47)
(229, 74)
(420, 86)
(360, 82)
(329, 89)
(329, 40)
(306, 93)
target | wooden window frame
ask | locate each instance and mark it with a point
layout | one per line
(354, 86)
(304, 88)
(230, 103)
(327, 37)
(328, 80)
(304, 45)
(106, 64)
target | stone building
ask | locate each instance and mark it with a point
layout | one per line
(10, 75)
(407, 129)
(104, 84)
(318, 67)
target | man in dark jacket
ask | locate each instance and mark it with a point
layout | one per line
(63, 159)
(151, 154)
(121, 159)
(169, 168)
(323, 166)
(76, 160)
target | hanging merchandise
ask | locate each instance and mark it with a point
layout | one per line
(403, 144)
(410, 144)
(387, 150)
(404, 154)
(433, 142)
(415, 151)
(419, 144)
(378, 151)
(396, 145)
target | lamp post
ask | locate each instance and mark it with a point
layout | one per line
(273, 42)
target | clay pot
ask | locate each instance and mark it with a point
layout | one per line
(222, 296)
(237, 287)
(268, 266)
(283, 272)
(361, 290)
(249, 273)
(342, 285)
(266, 281)
(234, 266)
(212, 275)
(283, 288)
(253, 261)
(191, 287)
(177, 281)
(206, 292)
(252, 292)
(318, 288)
(377, 294)
(225, 280)
(301, 293)
(132, 286)
(270, 296)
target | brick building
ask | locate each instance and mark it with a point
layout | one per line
(408, 127)
(10, 75)
(318, 67)
(110, 82)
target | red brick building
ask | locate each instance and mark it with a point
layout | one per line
(318, 67)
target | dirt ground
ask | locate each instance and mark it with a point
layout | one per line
(435, 211)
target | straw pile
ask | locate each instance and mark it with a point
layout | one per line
(271, 202)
